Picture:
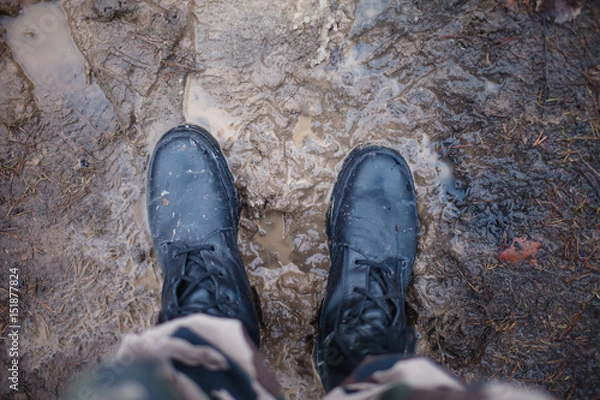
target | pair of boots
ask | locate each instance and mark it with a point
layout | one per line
(372, 226)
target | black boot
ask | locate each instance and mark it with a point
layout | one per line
(372, 227)
(193, 213)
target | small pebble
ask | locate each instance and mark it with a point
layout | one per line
(138, 255)
(248, 225)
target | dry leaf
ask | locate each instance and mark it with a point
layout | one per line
(520, 250)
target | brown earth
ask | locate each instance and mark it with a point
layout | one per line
(495, 108)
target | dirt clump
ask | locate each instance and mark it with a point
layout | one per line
(17, 105)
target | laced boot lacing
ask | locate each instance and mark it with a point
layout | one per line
(378, 325)
(198, 276)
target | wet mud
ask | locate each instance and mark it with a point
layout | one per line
(495, 108)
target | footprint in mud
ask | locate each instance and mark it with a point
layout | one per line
(41, 43)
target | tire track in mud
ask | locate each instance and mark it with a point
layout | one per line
(82, 285)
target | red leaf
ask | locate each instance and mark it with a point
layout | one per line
(520, 250)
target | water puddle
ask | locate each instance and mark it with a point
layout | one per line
(303, 131)
(41, 43)
(273, 239)
(202, 109)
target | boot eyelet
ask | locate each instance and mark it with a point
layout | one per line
(213, 248)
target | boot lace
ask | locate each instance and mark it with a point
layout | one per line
(198, 277)
(377, 325)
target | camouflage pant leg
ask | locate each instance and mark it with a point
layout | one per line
(394, 377)
(194, 357)
(202, 357)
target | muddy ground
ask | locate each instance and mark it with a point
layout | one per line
(495, 108)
